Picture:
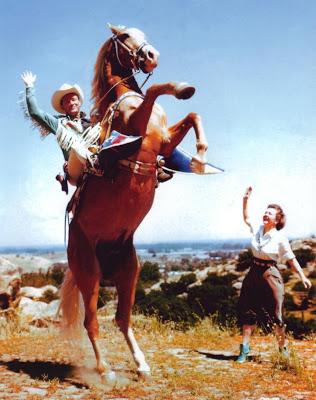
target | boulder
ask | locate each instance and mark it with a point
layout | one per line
(8, 271)
(37, 293)
(38, 309)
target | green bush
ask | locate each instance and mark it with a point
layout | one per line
(167, 308)
(175, 288)
(104, 297)
(312, 274)
(140, 292)
(56, 273)
(35, 279)
(304, 256)
(149, 272)
(49, 296)
(298, 287)
(54, 276)
(289, 304)
(244, 260)
(299, 328)
(286, 274)
(218, 299)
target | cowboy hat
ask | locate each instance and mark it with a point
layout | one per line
(61, 92)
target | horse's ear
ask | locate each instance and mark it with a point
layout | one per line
(116, 29)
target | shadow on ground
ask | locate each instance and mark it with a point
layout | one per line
(45, 370)
(223, 356)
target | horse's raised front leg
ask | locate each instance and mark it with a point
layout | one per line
(178, 131)
(125, 282)
(138, 120)
(84, 266)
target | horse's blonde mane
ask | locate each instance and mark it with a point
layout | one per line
(100, 82)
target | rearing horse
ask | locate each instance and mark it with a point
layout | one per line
(110, 210)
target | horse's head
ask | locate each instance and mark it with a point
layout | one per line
(132, 49)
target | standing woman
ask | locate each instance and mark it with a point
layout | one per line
(262, 292)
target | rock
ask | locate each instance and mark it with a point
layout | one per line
(8, 271)
(38, 309)
(36, 391)
(36, 293)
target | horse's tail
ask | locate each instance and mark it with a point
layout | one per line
(71, 307)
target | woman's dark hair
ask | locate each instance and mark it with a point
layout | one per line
(280, 216)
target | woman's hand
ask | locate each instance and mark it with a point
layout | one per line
(248, 192)
(306, 282)
(28, 78)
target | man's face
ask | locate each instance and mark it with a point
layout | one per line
(71, 104)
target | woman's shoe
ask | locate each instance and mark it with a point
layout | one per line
(244, 351)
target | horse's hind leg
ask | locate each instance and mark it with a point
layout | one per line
(84, 266)
(176, 134)
(125, 281)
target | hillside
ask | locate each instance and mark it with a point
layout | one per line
(36, 363)
(197, 364)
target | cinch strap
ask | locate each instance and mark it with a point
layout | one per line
(138, 167)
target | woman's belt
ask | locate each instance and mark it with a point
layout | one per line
(263, 263)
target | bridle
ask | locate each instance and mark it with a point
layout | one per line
(136, 59)
(134, 53)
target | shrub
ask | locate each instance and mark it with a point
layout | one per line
(167, 308)
(56, 273)
(140, 292)
(49, 296)
(35, 279)
(244, 260)
(104, 297)
(175, 288)
(289, 302)
(304, 255)
(298, 287)
(286, 274)
(312, 274)
(54, 276)
(149, 272)
(299, 328)
(218, 299)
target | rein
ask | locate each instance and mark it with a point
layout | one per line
(135, 56)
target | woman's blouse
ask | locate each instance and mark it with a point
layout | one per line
(272, 245)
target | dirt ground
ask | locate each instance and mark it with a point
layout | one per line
(197, 364)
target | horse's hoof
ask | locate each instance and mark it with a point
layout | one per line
(144, 375)
(197, 166)
(108, 377)
(184, 91)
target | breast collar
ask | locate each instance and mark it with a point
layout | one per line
(109, 115)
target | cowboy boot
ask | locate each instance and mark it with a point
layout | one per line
(244, 351)
(63, 180)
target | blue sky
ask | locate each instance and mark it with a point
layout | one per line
(254, 67)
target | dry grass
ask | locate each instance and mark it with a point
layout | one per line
(185, 365)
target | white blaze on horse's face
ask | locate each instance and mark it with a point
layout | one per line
(144, 55)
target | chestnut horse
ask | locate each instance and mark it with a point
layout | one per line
(110, 210)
